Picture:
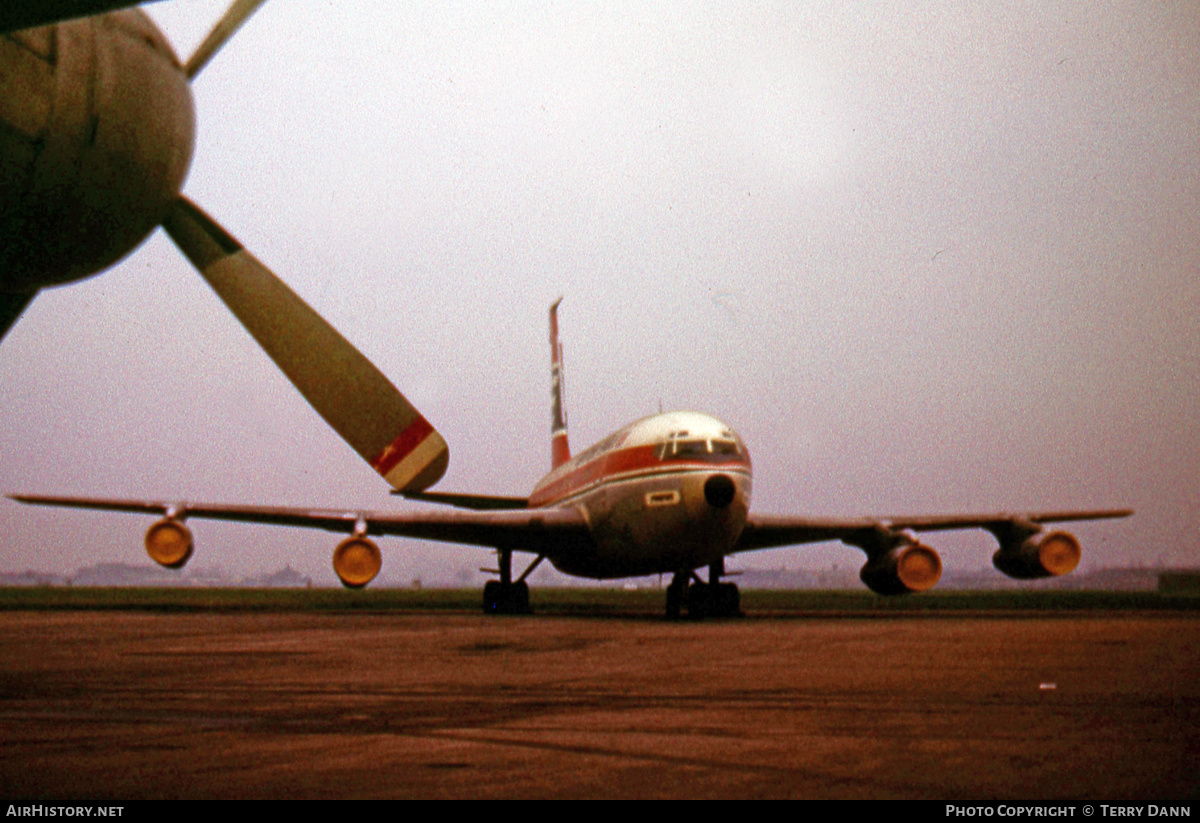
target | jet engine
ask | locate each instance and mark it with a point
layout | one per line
(169, 543)
(896, 562)
(357, 560)
(910, 567)
(1027, 553)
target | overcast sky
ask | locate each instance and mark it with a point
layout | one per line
(928, 261)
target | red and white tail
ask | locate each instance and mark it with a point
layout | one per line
(560, 450)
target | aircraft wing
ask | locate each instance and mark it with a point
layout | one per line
(770, 531)
(541, 531)
(467, 501)
(898, 563)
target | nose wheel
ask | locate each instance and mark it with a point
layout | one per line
(677, 594)
(711, 599)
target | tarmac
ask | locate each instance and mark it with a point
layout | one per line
(122, 706)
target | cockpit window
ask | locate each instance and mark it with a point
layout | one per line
(682, 446)
(689, 448)
(724, 446)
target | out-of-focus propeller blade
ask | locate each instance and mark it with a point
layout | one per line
(341, 384)
(239, 12)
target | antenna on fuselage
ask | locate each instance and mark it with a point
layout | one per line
(560, 450)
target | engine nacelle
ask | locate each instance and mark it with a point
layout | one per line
(357, 560)
(912, 567)
(1030, 556)
(169, 543)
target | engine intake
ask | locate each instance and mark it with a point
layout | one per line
(169, 543)
(1027, 555)
(910, 568)
(357, 560)
(896, 562)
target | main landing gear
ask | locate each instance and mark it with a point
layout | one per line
(504, 596)
(711, 599)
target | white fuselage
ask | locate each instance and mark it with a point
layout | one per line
(666, 494)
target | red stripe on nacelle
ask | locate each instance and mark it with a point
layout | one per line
(412, 436)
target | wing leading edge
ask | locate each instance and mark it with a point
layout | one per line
(541, 531)
(773, 531)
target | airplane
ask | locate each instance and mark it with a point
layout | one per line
(97, 126)
(667, 494)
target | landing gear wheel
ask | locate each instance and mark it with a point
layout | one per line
(518, 599)
(491, 597)
(699, 601)
(676, 594)
(726, 601)
(505, 598)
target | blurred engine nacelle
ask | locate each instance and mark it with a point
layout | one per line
(357, 560)
(169, 543)
(1027, 555)
(910, 567)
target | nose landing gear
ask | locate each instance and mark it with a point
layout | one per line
(711, 599)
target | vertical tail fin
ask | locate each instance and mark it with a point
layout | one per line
(560, 450)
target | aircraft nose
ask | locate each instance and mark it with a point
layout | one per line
(719, 490)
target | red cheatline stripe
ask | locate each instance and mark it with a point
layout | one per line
(620, 462)
(402, 446)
